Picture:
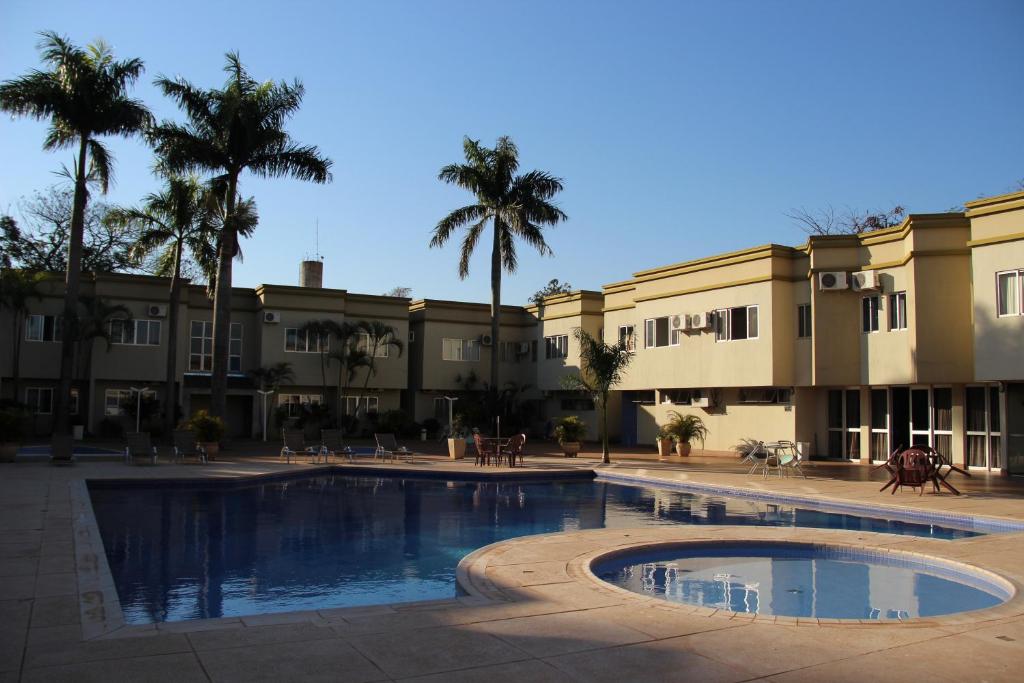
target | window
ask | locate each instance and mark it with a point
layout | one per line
(1008, 292)
(509, 351)
(114, 400)
(235, 348)
(297, 403)
(898, 311)
(533, 351)
(981, 415)
(200, 357)
(869, 313)
(942, 420)
(366, 344)
(844, 423)
(351, 405)
(43, 328)
(134, 332)
(879, 445)
(772, 395)
(627, 337)
(39, 400)
(301, 341)
(556, 346)
(655, 332)
(736, 323)
(803, 321)
(460, 349)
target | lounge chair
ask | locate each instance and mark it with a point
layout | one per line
(331, 444)
(186, 446)
(139, 446)
(295, 444)
(62, 450)
(388, 448)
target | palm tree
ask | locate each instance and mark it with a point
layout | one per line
(93, 323)
(84, 96)
(601, 368)
(379, 336)
(175, 224)
(16, 288)
(237, 128)
(322, 331)
(351, 357)
(514, 205)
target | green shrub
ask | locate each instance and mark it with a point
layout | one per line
(570, 429)
(12, 424)
(686, 428)
(207, 428)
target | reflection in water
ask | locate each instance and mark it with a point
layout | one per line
(332, 541)
(801, 585)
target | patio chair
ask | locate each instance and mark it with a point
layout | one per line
(185, 446)
(62, 450)
(789, 459)
(913, 469)
(485, 450)
(331, 444)
(295, 444)
(388, 448)
(757, 458)
(515, 449)
(138, 445)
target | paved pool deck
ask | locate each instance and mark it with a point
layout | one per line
(531, 612)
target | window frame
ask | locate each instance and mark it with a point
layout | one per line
(804, 321)
(556, 347)
(723, 323)
(56, 327)
(1018, 289)
(897, 314)
(468, 349)
(134, 324)
(869, 313)
(627, 333)
(35, 404)
(324, 341)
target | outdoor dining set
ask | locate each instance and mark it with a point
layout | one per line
(917, 467)
(782, 456)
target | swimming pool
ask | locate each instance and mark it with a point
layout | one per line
(221, 549)
(803, 580)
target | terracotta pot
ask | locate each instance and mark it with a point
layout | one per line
(8, 451)
(212, 448)
(664, 448)
(683, 449)
(456, 449)
(570, 448)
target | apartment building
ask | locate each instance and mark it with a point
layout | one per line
(266, 329)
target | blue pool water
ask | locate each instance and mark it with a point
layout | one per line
(801, 581)
(331, 541)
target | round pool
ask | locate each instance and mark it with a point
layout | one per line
(803, 580)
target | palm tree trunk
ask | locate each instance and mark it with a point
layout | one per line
(222, 307)
(16, 353)
(605, 455)
(72, 284)
(170, 393)
(495, 314)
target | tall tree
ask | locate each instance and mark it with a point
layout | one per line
(378, 337)
(93, 323)
(351, 357)
(554, 286)
(17, 288)
(601, 368)
(239, 127)
(514, 206)
(175, 226)
(84, 96)
(322, 331)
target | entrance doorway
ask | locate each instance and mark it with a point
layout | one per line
(1015, 428)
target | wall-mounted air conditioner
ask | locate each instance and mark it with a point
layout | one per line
(698, 321)
(486, 340)
(833, 281)
(271, 317)
(677, 322)
(866, 280)
(156, 311)
(702, 402)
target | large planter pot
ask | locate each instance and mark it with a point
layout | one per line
(8, 451)
(212, 449)
(570, 448)
(683, 449)
(456, 449)
(664, 448)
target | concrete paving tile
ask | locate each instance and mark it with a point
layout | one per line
(399, 621)
(661, 623)
(659, 660)
(18, 550)
(17, 587)
(176, 668)
(70, 652)
(284, 618)
(48, 585)
(18, 566)
(56, 564)
(255, 635)
(435, 650)
(14, 619)
(532, 574)
(555, 634)
(318, 660)
(529, 671)
(60, 610)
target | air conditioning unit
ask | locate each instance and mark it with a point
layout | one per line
(272, 317)
(698, 321)
(832, 280)
(486, 340)
(156, 311)
(523, 348)
(865, 280)
(678, 322)
(702, 402)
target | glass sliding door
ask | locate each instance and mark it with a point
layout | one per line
(852, 451)
(1015, 428)
(835, 423)
(844, 423)
(879, 446)
(920, 418)
(982, 440)
(942, 421)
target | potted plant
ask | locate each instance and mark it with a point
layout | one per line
(569, 432)
(664, 439)
(457, 439)
(209, 430)
(684, 429)
(12, 431)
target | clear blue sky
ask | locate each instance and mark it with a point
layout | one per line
(682, 129)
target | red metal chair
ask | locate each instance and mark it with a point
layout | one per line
(914, 469)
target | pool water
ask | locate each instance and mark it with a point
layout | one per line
(802, 581)
(335, 541)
